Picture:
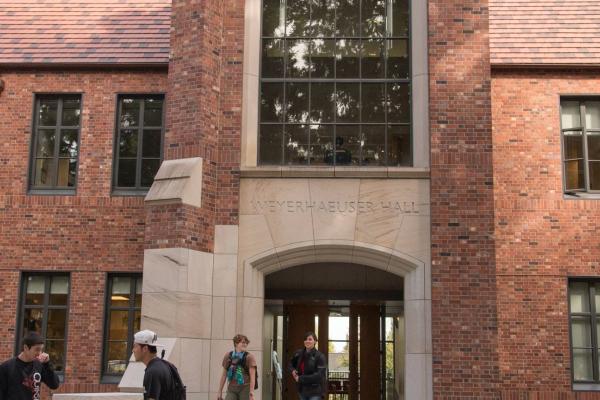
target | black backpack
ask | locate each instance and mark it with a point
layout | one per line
(245, 366)
(179, 389)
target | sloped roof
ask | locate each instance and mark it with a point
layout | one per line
(85, 31)
(545, 32)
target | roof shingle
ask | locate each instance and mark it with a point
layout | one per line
(545, 32)
(85, 31)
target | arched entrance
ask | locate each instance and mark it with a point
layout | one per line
(265, 277)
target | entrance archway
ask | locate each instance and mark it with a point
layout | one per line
(415, 302)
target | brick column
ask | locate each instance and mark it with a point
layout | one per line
(190, 258)
(464, 315)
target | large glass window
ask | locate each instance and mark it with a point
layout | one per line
(580, 125)
(139, 145)
(45, 310)
(123, 314)
(335, 83)
(584, 305)
(55, 142)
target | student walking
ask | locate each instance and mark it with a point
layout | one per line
(158, 381)
(239, 369)
(21, 377)
(309, 369)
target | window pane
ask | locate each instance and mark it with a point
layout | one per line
(347, 58)
(47, 112)
(296, 144)
(137, 318)
(398, 22)
(579, 297)
(581, 332)
(67, 172)
(573, 144)
(399, 146)
(582, 365)
(322, 58)
(44, 172)
(151, 144)
(347, 102)
(116, 358)
(322, 102)
(347, 145)
(271, 102)
(347, 18)
(118, 325)
(273, 17)
(397, 61)
(71, 112)
(68, 143)
(36, 286)
(570, 114)
(592, 115)
(341, 330)
(399, 103)
(373, 96)
(138, 292)
(150, 167)
(127, 169)
(593, 146)
(321, 143)
(373, 14)
(59, 290)
(153, 111)
(271, 142)
(57, 322)
(45, 142)
(373, 145)
(121, 290)
(33, 320)
(128, 143)
(272, 58)
(296, 102)
(373, 59)
(574, 175)
(56, 351)
(298, 13)
(594, 175)
(323, 17)
(297, 58)
(130, 112)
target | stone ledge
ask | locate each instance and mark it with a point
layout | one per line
(177, 182)
(335, 172)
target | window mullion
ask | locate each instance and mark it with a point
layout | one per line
(594, 337)
(138, 164)
(586, 178)
(46, 303)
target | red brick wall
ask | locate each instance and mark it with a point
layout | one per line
(541, 238)
(88, 234)
(465, 360)
(203, 119)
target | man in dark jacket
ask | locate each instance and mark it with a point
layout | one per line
(21, 377)
(309, 369)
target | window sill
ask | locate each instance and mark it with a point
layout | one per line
(125, 192)
(586, 387)
(276, 171)
(111, 379)
(581, 196)
(52, 192)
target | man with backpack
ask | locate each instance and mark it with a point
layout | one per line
(161, 379)
(239, 369)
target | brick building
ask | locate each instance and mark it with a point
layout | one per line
(415, 181)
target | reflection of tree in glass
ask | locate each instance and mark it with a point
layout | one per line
(373, 18)
(346, 104)
(322, 17)
(298, 14)
(297, 103)
(128, 117)
(298, 57)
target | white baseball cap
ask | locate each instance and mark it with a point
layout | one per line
(146, 337)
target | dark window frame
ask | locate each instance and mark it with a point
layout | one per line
(136, 190)
(46, 306)
(54, 189)
(584, 134)
(106, 377)
(360, 81)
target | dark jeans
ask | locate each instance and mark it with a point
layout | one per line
(319, 397)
